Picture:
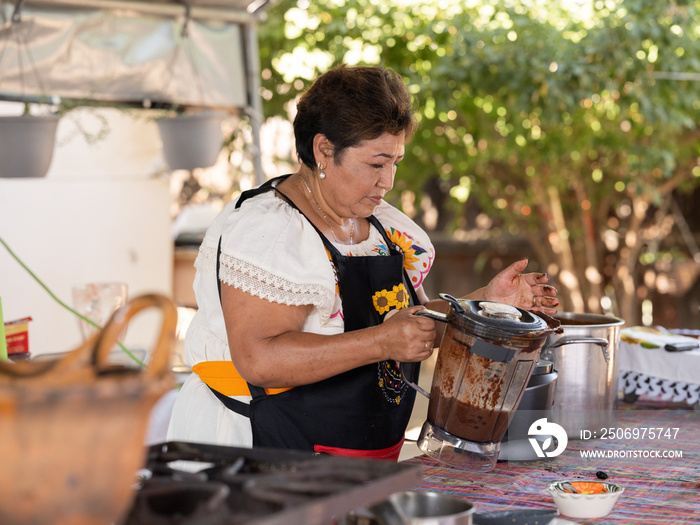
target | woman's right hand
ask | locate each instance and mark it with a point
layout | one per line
(406, 337)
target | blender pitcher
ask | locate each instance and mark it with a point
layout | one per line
(484, 363)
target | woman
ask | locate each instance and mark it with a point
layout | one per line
(308, 288)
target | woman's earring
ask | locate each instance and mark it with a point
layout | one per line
(321, 175)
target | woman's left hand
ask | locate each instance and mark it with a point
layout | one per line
(529, 291)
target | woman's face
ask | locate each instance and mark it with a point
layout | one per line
(356, 183)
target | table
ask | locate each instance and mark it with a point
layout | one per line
(657, 490)
(646, 368)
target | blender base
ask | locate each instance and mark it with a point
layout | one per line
(457, 452)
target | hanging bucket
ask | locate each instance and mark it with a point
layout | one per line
(191, 140)
(26, 145)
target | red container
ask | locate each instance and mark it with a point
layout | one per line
(17, 336)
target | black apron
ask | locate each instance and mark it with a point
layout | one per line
(361, 412)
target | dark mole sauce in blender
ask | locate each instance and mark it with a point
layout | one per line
(472, 410)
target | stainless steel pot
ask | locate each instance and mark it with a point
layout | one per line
(584, 355)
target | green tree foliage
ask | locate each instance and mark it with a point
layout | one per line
(570, 123)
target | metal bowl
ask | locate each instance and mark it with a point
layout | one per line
(416, 508)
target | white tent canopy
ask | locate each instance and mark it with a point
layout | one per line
(143, 53)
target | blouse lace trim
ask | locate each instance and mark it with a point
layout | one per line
(261, 283)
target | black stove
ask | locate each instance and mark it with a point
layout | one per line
(197, 484)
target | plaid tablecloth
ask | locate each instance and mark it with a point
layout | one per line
(658, 490)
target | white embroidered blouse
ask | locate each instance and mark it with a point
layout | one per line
(270, 250)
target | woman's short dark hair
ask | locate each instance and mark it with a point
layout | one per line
(349, 105)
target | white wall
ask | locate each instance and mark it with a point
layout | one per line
(102, 213)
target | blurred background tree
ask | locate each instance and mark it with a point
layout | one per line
(572, 125)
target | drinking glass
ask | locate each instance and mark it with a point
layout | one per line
(97, 302)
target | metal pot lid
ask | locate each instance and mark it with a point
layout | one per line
(489, 315)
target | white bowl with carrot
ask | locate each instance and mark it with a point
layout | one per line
(585, 499)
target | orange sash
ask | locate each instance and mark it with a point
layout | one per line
(223, 377)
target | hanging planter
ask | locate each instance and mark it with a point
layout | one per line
(191, 140)
(27, 145)
(26, 141)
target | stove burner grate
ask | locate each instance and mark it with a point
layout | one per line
(196, 484)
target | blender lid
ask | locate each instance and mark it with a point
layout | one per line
(497, 316)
